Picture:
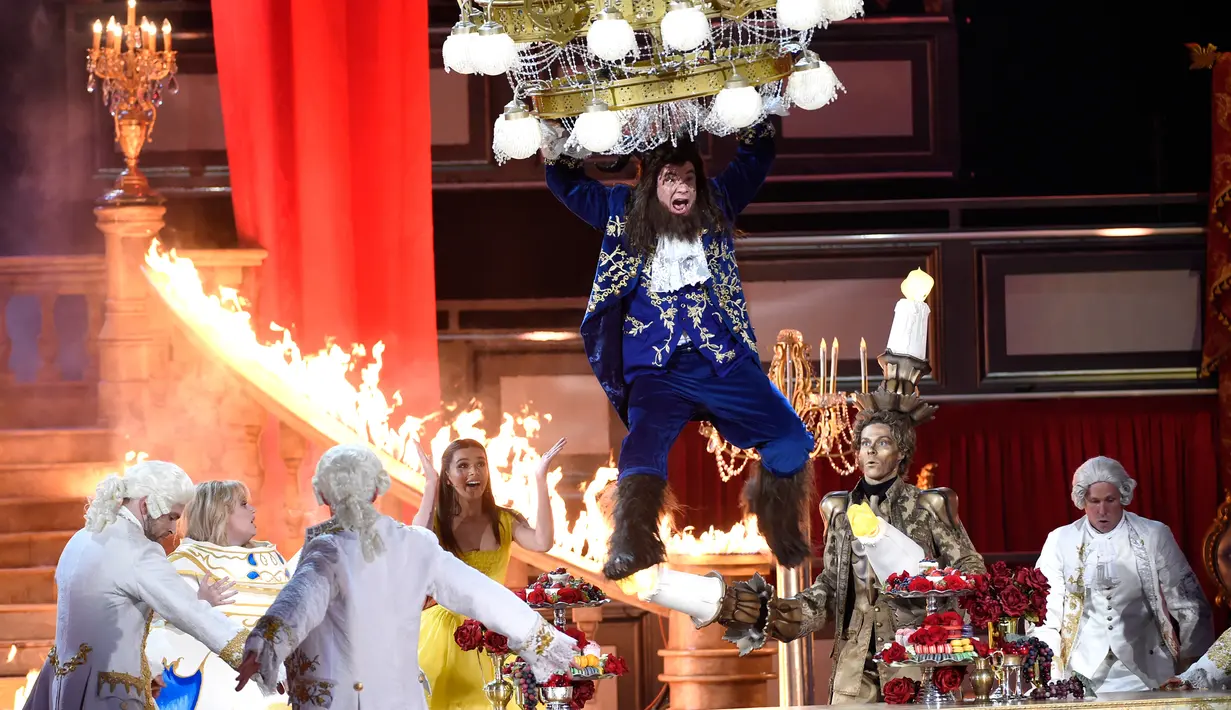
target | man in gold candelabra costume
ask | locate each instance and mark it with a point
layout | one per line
(847, 590)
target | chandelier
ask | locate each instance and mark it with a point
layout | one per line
(134, 74)
(821, 407)
(624, 76)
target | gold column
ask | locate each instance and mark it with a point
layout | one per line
(796, 685)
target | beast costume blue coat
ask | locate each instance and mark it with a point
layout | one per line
(619, 269)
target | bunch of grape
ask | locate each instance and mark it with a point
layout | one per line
(1060, 690)
(1037, 650)
(524, 679)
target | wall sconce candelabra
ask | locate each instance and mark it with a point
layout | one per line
(134, 74)
(823, 409)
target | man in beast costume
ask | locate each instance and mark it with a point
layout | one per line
(667, 334)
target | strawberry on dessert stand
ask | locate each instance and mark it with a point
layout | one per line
(943, 641)
(559, 591)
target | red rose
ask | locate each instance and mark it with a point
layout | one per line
(615, 665)
(1000, 575)
(536, 596)
(980, 648)
(469, 635)
(520, 594)
(927, 635)
(933, 620)
(569, 595)
(980, 583)
(956, 583)
(984, 611)
(896, 653)
(950, 618)
(1038, 607)
(899, 691)
(949, 678)
(920, 584)
(559, 680)
(583, 692)
(578, 635)
(495, 643)
(1013, 601)
(1036, 580)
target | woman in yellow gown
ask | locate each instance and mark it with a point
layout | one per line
(460, 508)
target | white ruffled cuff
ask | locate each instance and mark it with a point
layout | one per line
(271, 640)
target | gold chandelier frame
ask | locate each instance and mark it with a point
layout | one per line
(561, 21)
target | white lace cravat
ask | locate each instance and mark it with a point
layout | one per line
(678, 263)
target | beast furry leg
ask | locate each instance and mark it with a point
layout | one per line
(783, 506)
(640, 500)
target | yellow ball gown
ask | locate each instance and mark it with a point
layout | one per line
(456, 678)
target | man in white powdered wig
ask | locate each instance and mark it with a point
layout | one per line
(347, 624)
(1117, 581)
(113, 576)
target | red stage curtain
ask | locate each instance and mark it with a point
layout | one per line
(329, 144)
(1012, 463)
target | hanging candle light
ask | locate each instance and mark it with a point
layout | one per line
(458, 48)
(685, 27)
(813, 83)
(799, 15)
(738, 105)
(516, 134)
(598, 127)
(839, 10)
(611, 38)
(493, 51)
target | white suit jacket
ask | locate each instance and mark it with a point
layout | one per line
(348, 629)
(110, 584)
(1179, 627)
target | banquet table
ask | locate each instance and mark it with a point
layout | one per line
(1181, 700)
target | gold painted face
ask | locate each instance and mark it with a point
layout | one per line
(878, 453)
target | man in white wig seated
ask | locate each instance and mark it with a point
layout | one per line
(113, 576)
(1118, 581)
(347, 624)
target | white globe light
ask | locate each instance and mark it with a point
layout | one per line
(611, 38)
(813, 83)
(684, 27)
(493, 51)
(457, 48)
(516, 134)
(598, 128)
(799, 15)
(839, 10)
(738, 105)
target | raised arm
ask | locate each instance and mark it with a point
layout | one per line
(542, 535)
(155, 581)
(462, 589)
(427, 507)
(299, 608)
(1211, 671)
(1184, 599)
(583, 195)
(740, 181)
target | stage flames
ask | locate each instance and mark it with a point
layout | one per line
(321, 389)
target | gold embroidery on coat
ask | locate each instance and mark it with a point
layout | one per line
(615, 268)
(1220, 654)
(727, 287)
(71, 664)
(304, 690)
(1074, 603)
(698, 302)
(272, 629)
(634, 326)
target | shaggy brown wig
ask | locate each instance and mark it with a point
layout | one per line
(648, 219)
